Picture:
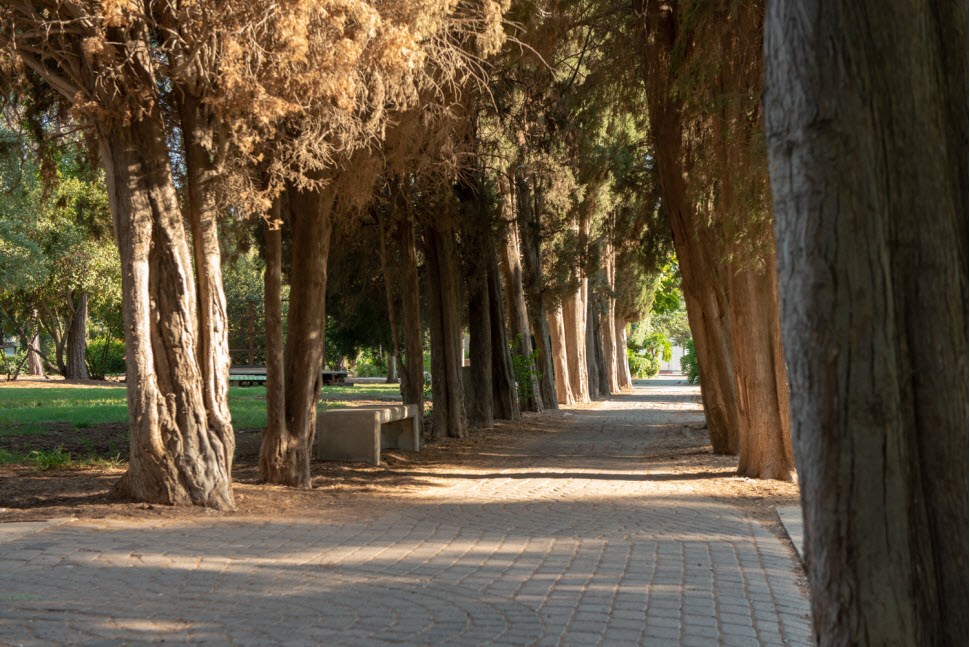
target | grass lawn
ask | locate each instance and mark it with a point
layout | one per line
(72, 413)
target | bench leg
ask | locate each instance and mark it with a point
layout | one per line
(401, 434)
(358, 438)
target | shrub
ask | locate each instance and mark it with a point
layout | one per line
(688, 363)
(105, 355)
(49, 459)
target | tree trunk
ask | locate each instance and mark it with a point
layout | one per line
(761, 382)
(275, 368)
(704, 281)
(574, 335)
(866, 120)
(532, 282)
(560, 360)
(624, 378)
(286, 450)
(446, 343)
(480, 389)
(412, 377)
(518, 313)
(505, 394)
(392, 376)
(176, 457)
(607, 322)
(35, 363)
(212, 351)
(76, 366)
(598, 383)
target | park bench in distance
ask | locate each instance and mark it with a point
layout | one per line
(256, 376)
(360, 433)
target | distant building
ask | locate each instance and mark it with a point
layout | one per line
(673, 366)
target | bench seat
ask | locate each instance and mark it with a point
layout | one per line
(360, 433)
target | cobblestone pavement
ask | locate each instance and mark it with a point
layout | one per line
(566, 539)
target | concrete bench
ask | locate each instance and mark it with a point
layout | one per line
(360, 433)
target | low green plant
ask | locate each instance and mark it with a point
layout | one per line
(50, 459)
(524, 370)
(688, 363)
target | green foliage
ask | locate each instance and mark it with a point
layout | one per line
(370, 363)
(646, 349)
(642, 366)
(51, 459)
(524, 369)
(688, 363)
(105, 356)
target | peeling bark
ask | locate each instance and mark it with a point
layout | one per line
(866, 121)
(176, 457)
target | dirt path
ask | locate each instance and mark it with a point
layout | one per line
(592, 526)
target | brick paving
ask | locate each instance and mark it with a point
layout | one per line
(568, 538)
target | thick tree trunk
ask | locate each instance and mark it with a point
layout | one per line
(285, 451)
(866, 119)
(392, 376)
(275, 367)
(598, 383)
(212, 351)
(176, 457)
(532, 282)
(412, 377)
(511, 264)
(35, 363)
(574, 334)
(479, 391)
(761, 382)
(505, 395)
(624, 378)
(560, 360)
(475, 223)
(446, 343)
(704, 280)
(607, 322)
(75, 365)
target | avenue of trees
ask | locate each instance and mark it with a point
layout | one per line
(539, 174)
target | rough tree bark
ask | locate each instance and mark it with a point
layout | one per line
(479, 390)
(286, 450)
(703, 279)
(515, 297)
(608, 319)
(176, 457)
(536, 299)
(560, 360)
(505, 394)
(598, 382)
(624, 379)
(212, 351)
(445, 323)
(75, 364)
(761, 381)
(412, 377)
(866, 119)
(392, 360)
(574, 335)
(35, 363)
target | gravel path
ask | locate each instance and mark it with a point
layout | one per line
(568, 538)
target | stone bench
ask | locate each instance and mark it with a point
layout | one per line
(360, 433)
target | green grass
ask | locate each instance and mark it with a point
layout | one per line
(28, 410)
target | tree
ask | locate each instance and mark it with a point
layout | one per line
(866, 118)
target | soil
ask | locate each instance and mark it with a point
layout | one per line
(28, 493)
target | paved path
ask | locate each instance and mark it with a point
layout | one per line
(565, 539)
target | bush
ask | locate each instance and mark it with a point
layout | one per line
(51, 459)
(105, 355)
(642, 366)
(688, 363)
